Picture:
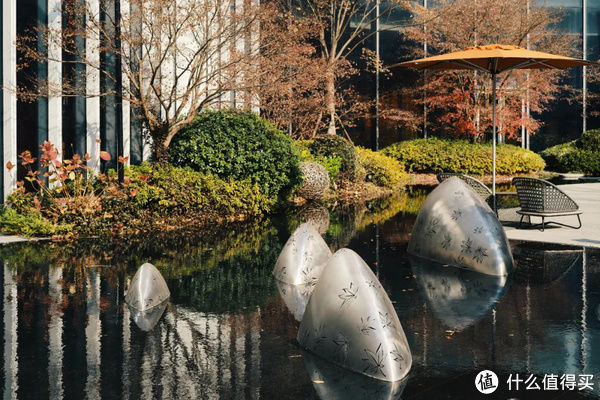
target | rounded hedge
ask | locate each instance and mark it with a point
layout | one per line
(386, 171)
(573, 157)
(445, 155)
(241, 146)
(334, 146)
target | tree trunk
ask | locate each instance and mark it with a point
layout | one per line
(160, 145)
(330, 99)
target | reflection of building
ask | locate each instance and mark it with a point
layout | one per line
(565, 121)
(58, 344)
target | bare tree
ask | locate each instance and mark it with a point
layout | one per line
(343, 27)
(171, 58)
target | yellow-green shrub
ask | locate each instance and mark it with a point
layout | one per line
(445, 155)
(387, 171)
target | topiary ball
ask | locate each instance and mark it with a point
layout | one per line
(316, 181)
(336, 146)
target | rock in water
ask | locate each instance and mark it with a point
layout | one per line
(332, 382)
(303, 257)
(458, 297)
(456, 227)
(147, 288)
(350, 320)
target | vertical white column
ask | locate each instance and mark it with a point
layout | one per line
(255, 328)
(55, 329)
(9, 96)
(584, 45)
(93, 332)
(55, 74)
(92, 105)
(10, 302)
(125, 106)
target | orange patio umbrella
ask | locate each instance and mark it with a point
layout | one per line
(494, 59)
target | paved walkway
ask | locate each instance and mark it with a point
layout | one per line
(587, 195)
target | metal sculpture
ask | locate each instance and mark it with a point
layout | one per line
(303, 257)
(295, 297)
(458, 297)
(350, 321)
(332, 382)
(456, 227)
(147, 289)
(147, 320)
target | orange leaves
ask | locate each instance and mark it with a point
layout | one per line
(123, 160)
(10, 165)
(105, 156)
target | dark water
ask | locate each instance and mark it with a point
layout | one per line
(227, 334)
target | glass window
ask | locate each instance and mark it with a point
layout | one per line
(559, 3)
(572, 20)
(593, 20)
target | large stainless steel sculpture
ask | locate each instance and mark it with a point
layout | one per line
(303, 257)
(332, 382)
(295, 297)
(147, 289)
(350, 321)
(456, 227)
(458, 297)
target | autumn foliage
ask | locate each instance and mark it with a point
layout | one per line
(459, 103)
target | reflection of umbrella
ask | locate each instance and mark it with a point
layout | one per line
(494, 59)
(458, 297)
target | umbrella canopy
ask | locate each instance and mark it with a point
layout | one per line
(494, 59)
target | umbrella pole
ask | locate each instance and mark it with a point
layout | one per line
(494, 141)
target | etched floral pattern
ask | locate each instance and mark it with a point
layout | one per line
(374, 361)
(385, 319)
(456, 214)
(366, 326)
(447, 242)
(348, 294)
(466, 246)
(479, 254)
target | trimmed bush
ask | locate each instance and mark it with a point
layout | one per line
(334, 147)
(444, 155)
(590, 140)
(240, 146)
(167, 190)
(387, 171)
(573, 157)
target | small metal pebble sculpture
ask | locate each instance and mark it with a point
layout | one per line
(315, 183)
(456, 227)
(147, 289)
(350, 320)
(458, 297)
(303, 257)
(332, 382)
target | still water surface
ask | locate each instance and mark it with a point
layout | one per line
(228, 334)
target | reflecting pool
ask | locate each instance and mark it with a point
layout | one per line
(227, 333)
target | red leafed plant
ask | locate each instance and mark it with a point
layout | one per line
(65, 191)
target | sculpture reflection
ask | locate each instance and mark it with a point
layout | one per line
(332, 382)
(303, 257)
(147, 320)
(458, 297)
(456, 227)
(147, 289)
(350, 321)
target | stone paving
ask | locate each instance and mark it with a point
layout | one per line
(587, 195)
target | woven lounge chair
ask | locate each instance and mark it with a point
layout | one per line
(477, 186)
(540, 198)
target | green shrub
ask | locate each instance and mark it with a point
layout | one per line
(332, 146)
(33, 224)
(573, 157)
(240, 146)
(444, 155)
(167, 190)
(387, 171)
(590, 140)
